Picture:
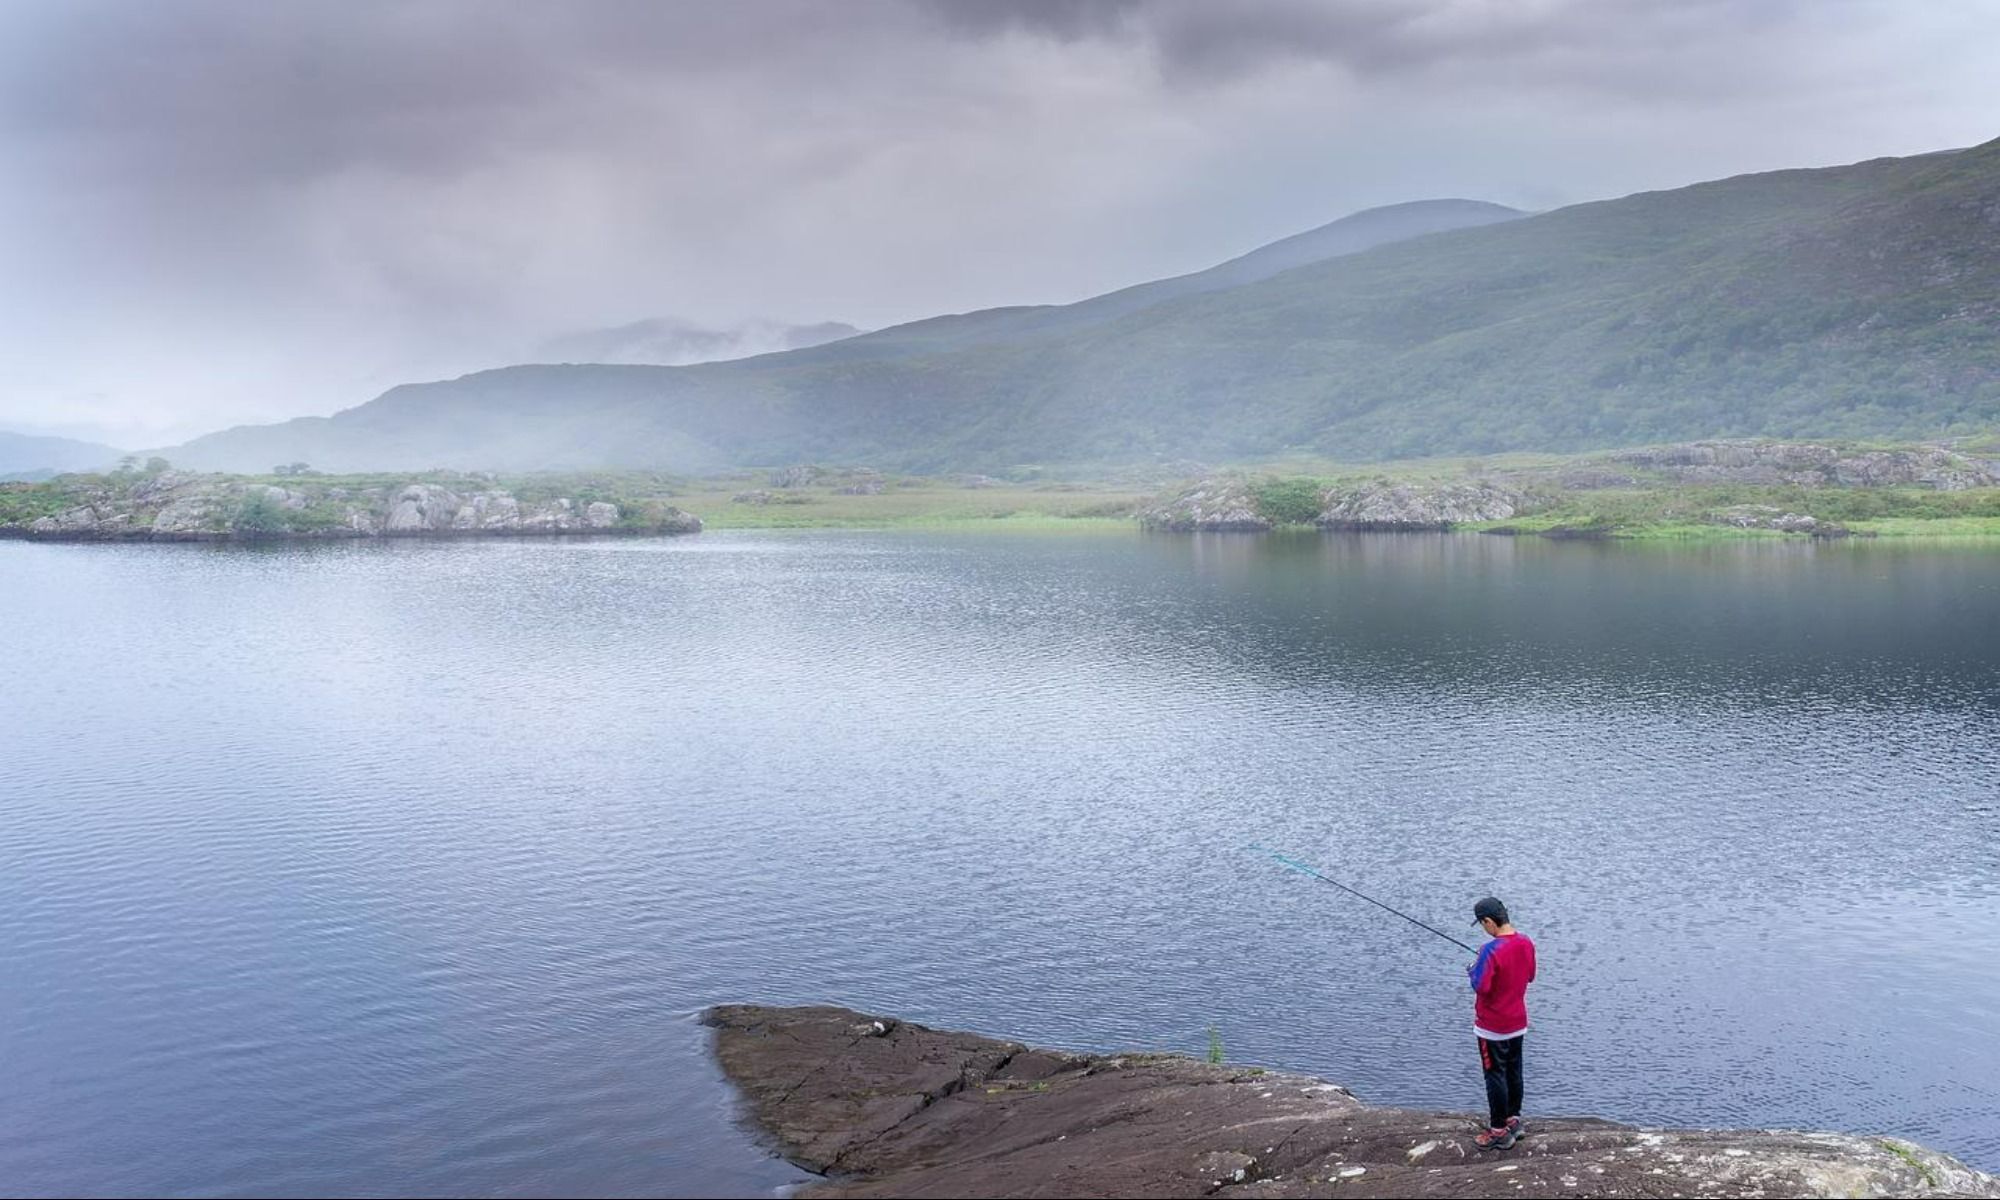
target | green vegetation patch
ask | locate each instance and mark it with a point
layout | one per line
(22, 503)
(1916, 1164)
(1288, 500)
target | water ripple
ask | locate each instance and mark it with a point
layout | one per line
(401, 869)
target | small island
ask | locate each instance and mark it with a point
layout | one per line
(160, 504)
(882, 1107)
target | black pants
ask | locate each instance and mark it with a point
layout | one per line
(1502, 1063)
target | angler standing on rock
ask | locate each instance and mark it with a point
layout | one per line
(1500, 977)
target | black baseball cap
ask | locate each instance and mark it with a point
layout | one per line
(1489, 907)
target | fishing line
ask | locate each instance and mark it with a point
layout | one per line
(1303, 869)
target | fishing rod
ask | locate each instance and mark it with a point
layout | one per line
(1303, 869)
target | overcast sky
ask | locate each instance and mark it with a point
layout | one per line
(220, 212)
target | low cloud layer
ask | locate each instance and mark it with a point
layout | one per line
(217, 212)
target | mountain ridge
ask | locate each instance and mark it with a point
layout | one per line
(1833, 302)
(26, 455)
(672, 342)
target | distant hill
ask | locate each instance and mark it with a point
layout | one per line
(29, 456)
(670, 342)
(1856, 301)
(519, 419)
(1364, 230)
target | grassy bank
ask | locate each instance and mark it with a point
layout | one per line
(913, 503)
(1696, 511)
(798, 498)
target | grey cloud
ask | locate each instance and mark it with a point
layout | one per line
(209, 93)
(276, 92)
(1567, 42)
(1067, 20)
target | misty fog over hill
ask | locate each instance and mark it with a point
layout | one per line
(1855, 301)
(673, 342)
(24, 455)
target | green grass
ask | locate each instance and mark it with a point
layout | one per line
(927, 505)
(1680, 511)
(1932, 527)
(1288, 500)
(1916, 1164)
(22, 503)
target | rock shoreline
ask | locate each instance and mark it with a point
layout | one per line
(882, 1107)
(174, 506)
(19, 533)
(1234, 502)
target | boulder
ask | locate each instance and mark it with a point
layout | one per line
(421, 508)
(553, 516)
(1768, 516)
(1385, 505)
(494, 511)
(157, 489)
(1763, 516)
(882, 1107)
(189, 514)
(80, 520)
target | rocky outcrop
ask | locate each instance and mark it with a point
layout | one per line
(1807, 464)
(1414, 506)
(185, 516)
(764, 496)
(1769, 516)
(883, 1107)
(861, 483)
(176, 506)
(1217, 504)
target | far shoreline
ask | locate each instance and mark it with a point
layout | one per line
(1692, 492)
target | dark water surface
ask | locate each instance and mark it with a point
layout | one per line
(401, 869)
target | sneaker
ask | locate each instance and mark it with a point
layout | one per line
(1518, 1126)
(1496, 1139)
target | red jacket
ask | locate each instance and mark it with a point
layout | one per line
(1500, 978)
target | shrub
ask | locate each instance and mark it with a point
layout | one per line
(258, 513)
(1288, 501)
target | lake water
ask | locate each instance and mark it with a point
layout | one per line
(402, 869)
